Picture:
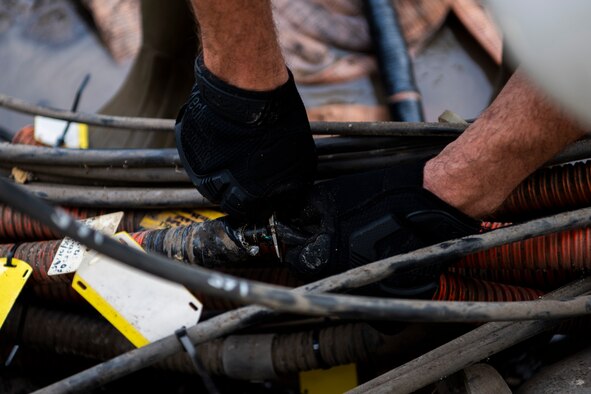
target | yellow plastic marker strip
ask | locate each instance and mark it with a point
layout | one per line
(169, 219)
(12, 281)
(105, 309)
(83, 135)
(336, 380)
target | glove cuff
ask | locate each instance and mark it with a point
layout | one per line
(242, 106)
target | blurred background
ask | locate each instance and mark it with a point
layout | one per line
(47, 47)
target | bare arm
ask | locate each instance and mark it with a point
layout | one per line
(240, 43)
(518, 133)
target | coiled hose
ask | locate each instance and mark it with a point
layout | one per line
(210, 244)
(26, 136)
(17, 226)
(547, 191)
(543, 262)
(91, 337)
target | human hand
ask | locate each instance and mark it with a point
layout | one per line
(248, 151)
(355, 220)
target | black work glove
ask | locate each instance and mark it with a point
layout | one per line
(357, 219)
(248, 151)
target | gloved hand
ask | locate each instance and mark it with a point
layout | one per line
(248, 151)
(357, 219)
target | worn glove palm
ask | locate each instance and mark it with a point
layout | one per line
(366, 217)
(248, 151)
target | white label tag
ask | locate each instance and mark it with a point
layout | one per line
(143, 307)
(49, 130)
(69, 255)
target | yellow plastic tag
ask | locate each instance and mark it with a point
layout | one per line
(169, 219)
(83, 135)
(143, 307)
(336, 380)
(12, 281)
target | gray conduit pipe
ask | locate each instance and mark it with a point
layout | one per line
(119, 197)
(466, 350)
(167, 125)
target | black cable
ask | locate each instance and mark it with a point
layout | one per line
(168, 157)
(281, 299)
(119, 197)
(133, 158)
(342, 144)
(60, 141)
(395, 65)
(401, 129)
(328, 166)
(163, 175)
(56, 161)
(388, 129)
(23, 314)
(332, 167)
(27, 154)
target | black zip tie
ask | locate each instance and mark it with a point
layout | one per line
(10, 256)
(316, 348)
(188, 346)
(21, 323)
(19, 336)
(60, 141)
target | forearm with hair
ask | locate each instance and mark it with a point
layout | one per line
(520, 131)
(240, 43)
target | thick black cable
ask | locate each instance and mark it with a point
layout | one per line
(162, 175)
(328, 166)
(388, 129)
(56, 161)
(281, 299)
(147, 124)
(167, 125)
(36, 155)
(395, 65)
(39, 155)
(119, 197)
(134, 158)
(342, 144)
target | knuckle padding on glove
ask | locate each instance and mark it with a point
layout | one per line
(379, 214)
